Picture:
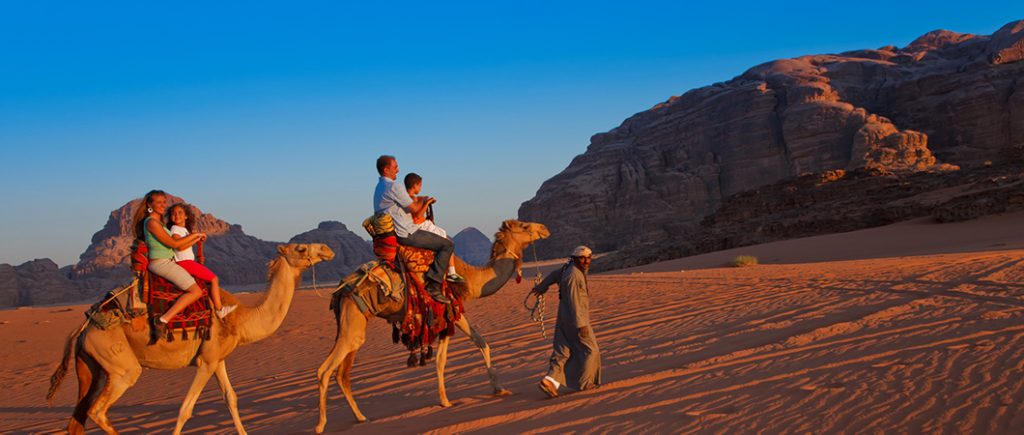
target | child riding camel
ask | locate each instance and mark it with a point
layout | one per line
(414, 185)
(181, 223)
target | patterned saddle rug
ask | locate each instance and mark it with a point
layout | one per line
(159, 295)
(195, 318)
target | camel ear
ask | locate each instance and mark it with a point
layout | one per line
(507, 224)
(281, 249)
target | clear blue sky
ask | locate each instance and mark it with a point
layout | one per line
(270, 115)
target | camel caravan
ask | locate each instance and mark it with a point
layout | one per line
(174, 314)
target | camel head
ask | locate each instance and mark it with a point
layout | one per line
(303, 255)
(515, 235)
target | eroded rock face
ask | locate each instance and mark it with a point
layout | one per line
(945, 101)
(836, 201)
(472, 246)
(350, 250)
(106, 260)
(236, 257)
(37, 282)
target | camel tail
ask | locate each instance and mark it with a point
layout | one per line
(62, 370)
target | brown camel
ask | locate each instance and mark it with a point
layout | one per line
(109, 361)
(506, 258)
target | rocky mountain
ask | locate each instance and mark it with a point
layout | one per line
(472, 246)
(37, 282)
(832, 202)
(236, 257)
(350, 250)
(106, 259)
(945, 102)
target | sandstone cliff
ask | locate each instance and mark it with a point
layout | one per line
(472, 246)
(946, 100)
(235, 256)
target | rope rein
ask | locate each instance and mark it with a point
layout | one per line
(537, 310)
(316, 289)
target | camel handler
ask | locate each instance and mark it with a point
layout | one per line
(576, 360)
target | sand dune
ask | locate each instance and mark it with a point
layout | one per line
(901, 342)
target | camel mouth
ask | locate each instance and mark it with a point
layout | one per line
(327, 254)
(543, 233)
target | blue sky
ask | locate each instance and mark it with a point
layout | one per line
(270, 115)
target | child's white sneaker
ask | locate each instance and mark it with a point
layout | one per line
(225, 310)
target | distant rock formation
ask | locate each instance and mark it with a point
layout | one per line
(945, 101)
(472, 246)
(350, 250)
(37, 282)
(236, 257)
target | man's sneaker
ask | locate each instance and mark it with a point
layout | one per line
(434, 289)
(455, 277)
(225, 310)
(548, 388)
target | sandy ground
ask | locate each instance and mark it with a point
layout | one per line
(924, 333)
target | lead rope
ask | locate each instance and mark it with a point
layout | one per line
(315, 288)
(537, 310)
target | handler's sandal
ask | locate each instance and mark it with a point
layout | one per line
(225, 310)
(548, 388)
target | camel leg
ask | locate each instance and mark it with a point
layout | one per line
(203, 374)
(229, 396)
(351, 336)
(442, 358)
(485, 350)
(345, 380)
(90, 380)
(117, 383)
(323, 377)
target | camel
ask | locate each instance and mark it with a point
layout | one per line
(505, 261)
(108, 362)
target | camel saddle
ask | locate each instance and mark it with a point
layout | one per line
(159, 295)
(423, 320)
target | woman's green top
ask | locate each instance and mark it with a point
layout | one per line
(157, 250)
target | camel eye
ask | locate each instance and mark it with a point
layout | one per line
(300, 248)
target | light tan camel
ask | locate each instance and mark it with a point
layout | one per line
(109, 361)
(506, 258)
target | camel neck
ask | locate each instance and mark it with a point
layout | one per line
(485, 281)
(265, 318)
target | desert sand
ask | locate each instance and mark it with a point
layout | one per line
(914, 327)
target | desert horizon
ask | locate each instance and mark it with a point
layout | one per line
(926, 341)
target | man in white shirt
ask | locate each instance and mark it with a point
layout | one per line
(391, 197)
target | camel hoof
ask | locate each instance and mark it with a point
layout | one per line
(446, 404)
(362, 420)
(502, 392)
